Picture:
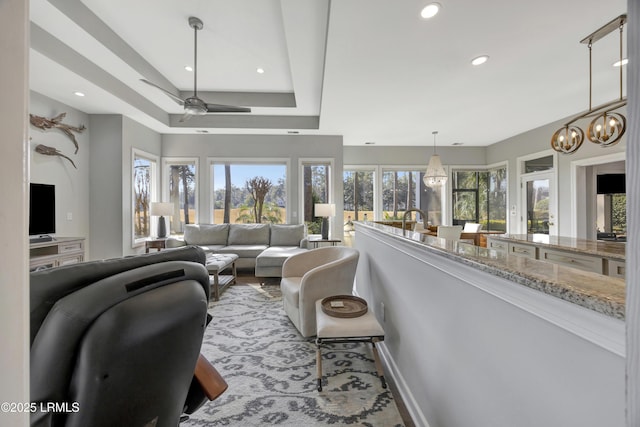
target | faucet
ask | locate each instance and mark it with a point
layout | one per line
(408, 211)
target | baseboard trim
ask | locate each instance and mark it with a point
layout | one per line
(396, 380)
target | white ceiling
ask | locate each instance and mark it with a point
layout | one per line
(370, 70)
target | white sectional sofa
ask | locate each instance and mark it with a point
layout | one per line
(264, 247)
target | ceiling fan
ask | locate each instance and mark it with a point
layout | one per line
(194, 106)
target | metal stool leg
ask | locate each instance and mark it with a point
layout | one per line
(319, 364)
(376, 358)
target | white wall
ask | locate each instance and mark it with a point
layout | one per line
(72, 185)
(14, 209)
(292, 147)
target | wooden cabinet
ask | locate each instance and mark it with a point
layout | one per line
(58, 252)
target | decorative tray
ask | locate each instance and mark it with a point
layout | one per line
(344, 306)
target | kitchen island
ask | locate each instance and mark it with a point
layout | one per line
(474, 336)
(604, 257)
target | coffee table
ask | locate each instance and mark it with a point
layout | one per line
(216, 263)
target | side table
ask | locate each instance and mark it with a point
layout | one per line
(157, 243)
(364, 328)
(333, 242)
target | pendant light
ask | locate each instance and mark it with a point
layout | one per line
(608, 126)
(435, 174)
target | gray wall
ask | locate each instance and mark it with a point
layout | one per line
(114, 138)
(292, 147)
(537, 140)
(72, 185)
(371, 155)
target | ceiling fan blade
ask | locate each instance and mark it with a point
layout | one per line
(179, 100)
(219, 108)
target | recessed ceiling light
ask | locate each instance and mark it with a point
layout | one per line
(260, 70)
(188, 68)
(430, 10)
(480, 60)
(78, 93)
(625, 61)
(369, 143)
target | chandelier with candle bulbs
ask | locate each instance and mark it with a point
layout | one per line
(607, 126)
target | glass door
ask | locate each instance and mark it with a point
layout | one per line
(538, 204)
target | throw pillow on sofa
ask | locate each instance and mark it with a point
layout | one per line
(206, 234)
(287, 235)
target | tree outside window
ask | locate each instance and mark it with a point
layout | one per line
(358, 194)
(400, 191)
(249, 193)
(143, 187)
(480, 197)
(182, 194)
(315, 190)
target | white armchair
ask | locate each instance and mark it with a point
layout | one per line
(313, 275)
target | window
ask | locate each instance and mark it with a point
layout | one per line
(249, 192)
(358, 194)
(480, 196)
(144, 192)
(539, 164)
(182, 179)
(399, 190)
(315, 189)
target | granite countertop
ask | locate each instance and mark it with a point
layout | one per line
(611, 250)
(597, 292)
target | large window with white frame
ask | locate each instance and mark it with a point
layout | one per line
(403, 189)
(480, 196)
(358, 187)
(249, 192)
(181, 178)
(316, 188)
(144, 191)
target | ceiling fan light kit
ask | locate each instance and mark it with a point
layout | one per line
(608, 126)
(193, 105)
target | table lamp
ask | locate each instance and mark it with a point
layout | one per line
(161, 209)
(325, 210)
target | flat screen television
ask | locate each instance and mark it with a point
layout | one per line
(42, 209)
(612, 183)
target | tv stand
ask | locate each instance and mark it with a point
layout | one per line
(56, 252)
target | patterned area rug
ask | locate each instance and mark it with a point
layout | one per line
(271, 370)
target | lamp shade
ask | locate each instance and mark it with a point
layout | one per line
(325, 209)
(435, 173)
(161, 209)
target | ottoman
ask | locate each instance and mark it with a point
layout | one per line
(215, 264)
